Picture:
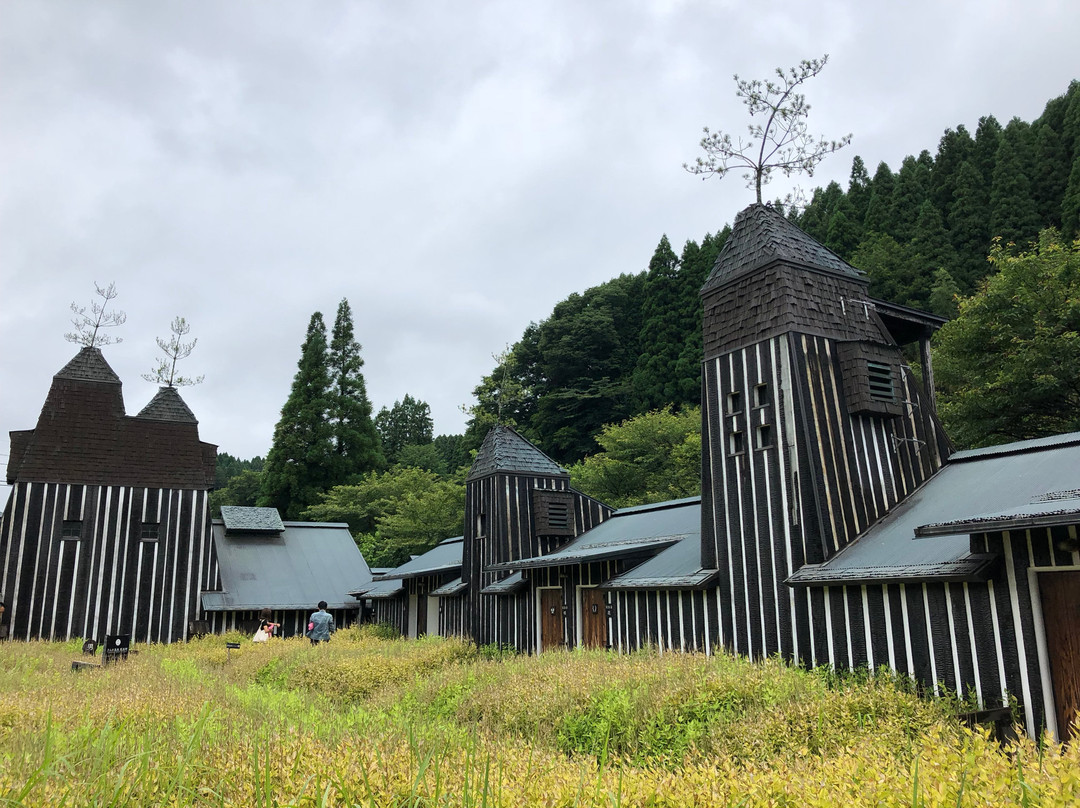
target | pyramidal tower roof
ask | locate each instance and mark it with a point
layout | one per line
(88, 365)
(167, 405)
(760, 237)
(505, 450)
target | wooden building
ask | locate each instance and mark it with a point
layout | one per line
(518, 504)
(287, 567)
(107, 527)
(425, 595)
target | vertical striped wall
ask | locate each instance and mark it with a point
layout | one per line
(108, 580)
(820, 477)
(505, 500)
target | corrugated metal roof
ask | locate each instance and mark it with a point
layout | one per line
(380, 589)
(452, 588)
(295, 569)
(504, 449)
(1066, 439)
(241, 519)
(644, 528)
(984, 482)
(509, 584)
(677, 567)
(443, 557)
(761, 236)
(1044, 511)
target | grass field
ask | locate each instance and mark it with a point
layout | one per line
(370, 721)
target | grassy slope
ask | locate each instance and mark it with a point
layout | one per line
(368, 721)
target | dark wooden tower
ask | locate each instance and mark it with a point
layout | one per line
(518, 504)
(107, 529)
(813, 427)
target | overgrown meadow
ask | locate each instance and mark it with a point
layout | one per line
(371, 721)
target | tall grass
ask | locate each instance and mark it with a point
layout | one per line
(372, 721)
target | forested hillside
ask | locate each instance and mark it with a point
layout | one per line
(921, 233)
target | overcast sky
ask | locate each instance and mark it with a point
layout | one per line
(453, 169)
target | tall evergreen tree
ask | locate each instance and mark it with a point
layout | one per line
(955, 146)
(1013, 212)
(987, 140)
(407, 423)
(969, 226)
(858, 192)
(1050, 175)
(844, 233)
(912, 189)
(297, 466)
(879, 208)
(654, 379)
(356, 443)
(1070, 204)
(695, 264)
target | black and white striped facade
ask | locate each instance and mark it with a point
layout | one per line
(115, 576)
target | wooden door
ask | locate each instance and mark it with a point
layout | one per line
(551, 619)
(1060, 593)
(593, 619)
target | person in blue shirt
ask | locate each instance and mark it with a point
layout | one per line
(320, 625)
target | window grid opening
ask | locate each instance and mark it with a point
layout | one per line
(71, 529)
(734, 402)
(761, 395)
(764, 436)
(736, 443)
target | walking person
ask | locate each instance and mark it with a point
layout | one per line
(320, 625)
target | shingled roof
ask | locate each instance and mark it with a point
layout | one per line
(505, 450)
(167, 405)
(84, 437)
(89, 365)
(762, 236)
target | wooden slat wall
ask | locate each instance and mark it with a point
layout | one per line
(506, 502)
(108, 581)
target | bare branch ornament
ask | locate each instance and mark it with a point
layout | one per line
(781, 143)
(88, 326)
(174, 350)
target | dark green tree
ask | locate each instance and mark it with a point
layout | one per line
(987, 140)
(912, 189)
(1008, 365)
(655, 379)
(1070, 203)
(452, 451)
(244, 488)
(879, 207)
(1014, 214)
(356, 443)
(944, 294)
(933, 251)
(407, 423)
(228, 467)
(858, 192)
(969, 225)
(892, 267)
(298, 464)
(955, 146)
(1050, 175)
(695, 265)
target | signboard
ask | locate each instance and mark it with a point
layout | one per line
(116, 648)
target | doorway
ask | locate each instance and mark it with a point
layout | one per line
(594, 624)
(551, 619)
(1060, 596)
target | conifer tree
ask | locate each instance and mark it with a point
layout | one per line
(858, 192)
(695, 264)
(356, 443)
(654, 380)
(407, 423)
(954, 148)
(879, 208)
(297, 466)
(1050, 175)
(912, 189)
(969, 225)
(1013, 213)
(987, 140)
(1070, 204)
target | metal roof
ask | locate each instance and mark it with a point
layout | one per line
(643, 528)
(294, 569)
(379, 589)
(443, 557)
(1045, 511)
(241, 519)
(452, 588)
(985, 481)
(762, 236)
(677, 567)
(511, 583)
(505, 450)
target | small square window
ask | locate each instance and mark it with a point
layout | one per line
(734, 402)
(148, 531)
(71, 529)
(761, 395)
(736, 443)
(764, 437)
